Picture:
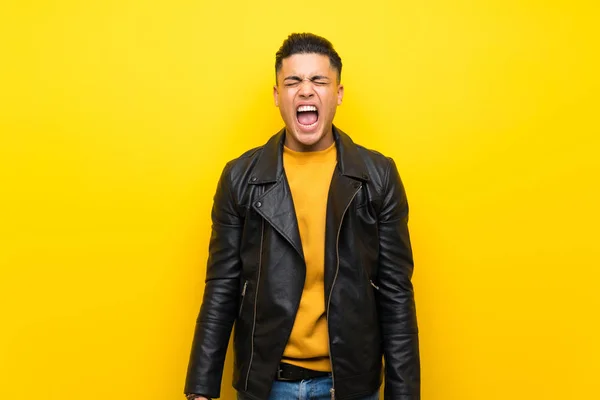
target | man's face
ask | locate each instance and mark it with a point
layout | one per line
(307, 94)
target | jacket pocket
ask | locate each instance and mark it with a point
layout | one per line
(242, 298)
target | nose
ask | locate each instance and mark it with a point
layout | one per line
(306, 89)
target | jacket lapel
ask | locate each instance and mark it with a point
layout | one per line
(276, 205)
(277, 208)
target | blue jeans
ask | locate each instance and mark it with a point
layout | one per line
(310, 389)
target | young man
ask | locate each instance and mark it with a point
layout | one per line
(310, 256)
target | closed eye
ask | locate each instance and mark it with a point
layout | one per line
(293, 81)
(319, 80)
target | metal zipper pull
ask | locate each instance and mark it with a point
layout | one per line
(374, 285)
(332, 391)
(242, 298)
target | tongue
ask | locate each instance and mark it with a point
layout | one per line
(307, 117)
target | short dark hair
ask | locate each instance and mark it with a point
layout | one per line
(306, 43)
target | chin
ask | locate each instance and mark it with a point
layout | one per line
(303, 137)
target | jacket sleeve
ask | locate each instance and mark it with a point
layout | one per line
(397, 311)
(221, 295)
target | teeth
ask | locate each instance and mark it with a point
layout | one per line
(306, 108)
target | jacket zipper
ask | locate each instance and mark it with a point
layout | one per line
(337, 269)
(262, 232)
(242, 299)
(374, 285)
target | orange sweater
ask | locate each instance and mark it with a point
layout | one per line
(309, 176)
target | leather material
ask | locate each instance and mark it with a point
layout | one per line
(255, 276)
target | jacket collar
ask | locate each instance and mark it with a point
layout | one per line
(269, 167)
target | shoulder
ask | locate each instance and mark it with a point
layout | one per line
(245, 159)
(374, 158)
(249, 159)
(375, 162)
(380, 168)
(236, 170)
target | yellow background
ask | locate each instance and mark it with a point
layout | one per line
(116, 118)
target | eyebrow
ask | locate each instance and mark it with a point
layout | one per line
(313, 78)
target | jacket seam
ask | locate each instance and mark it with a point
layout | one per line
(384, 189)
(250, 153)
(391, 221)
(229, 225)
(213, 321)
(230, 193)
(415, 332)
(387, 176)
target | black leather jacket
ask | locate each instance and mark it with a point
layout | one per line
(255, 276)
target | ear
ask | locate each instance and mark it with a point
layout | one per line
(276, 96)
(340, 94)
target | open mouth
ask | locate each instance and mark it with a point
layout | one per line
(307, 116)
